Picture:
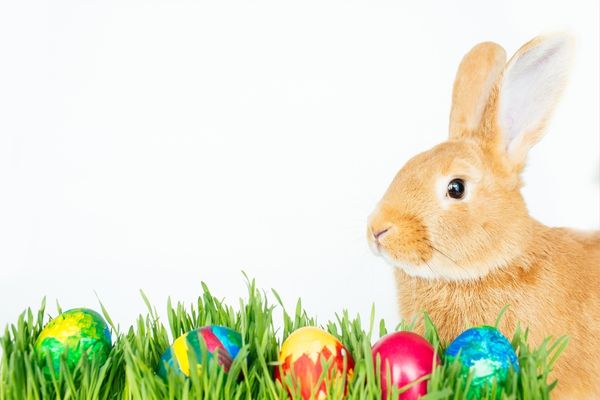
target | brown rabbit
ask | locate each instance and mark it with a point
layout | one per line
(455, 225)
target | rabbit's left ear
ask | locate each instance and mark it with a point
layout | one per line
(475, 78)
(530, 87)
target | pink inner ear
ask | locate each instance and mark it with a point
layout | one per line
(532, 84)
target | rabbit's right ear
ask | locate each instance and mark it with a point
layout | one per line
(531, 85)
(475, 78)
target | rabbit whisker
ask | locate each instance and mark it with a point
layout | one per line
(429, 266)
(447, 256)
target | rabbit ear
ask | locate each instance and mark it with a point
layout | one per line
(531, 86)
(476, 75)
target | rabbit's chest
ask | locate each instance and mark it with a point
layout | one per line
(452, 308)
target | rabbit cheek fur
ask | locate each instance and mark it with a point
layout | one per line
(463, 260)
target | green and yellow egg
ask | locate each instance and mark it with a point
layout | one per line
(71, 334)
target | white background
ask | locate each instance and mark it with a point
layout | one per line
(154, 144)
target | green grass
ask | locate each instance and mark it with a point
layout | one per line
(130, 371)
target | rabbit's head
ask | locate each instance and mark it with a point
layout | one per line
(455, 211)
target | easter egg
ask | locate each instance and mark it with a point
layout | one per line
(74, 332)
(406, 357)
(302, 356)
(484, 352)
(220, 342)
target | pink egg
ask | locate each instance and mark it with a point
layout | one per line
(409, 357)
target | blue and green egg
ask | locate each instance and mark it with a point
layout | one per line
(486, 354)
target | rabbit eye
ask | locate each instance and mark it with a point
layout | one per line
(456, 188)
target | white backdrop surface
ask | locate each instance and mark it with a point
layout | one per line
(154, 144)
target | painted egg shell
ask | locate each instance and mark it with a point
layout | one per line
(222, 342)
(486, 353)
(301, 358)
(408, 357)
(75, 331)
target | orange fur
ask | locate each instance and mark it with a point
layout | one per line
(462, 261)
(475, 78)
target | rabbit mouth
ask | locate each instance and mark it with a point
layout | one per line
(374, 244)
(398, 247)
(433, 264)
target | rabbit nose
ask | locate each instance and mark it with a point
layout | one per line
(380, 233)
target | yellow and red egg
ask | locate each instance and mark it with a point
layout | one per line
(303, 356)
